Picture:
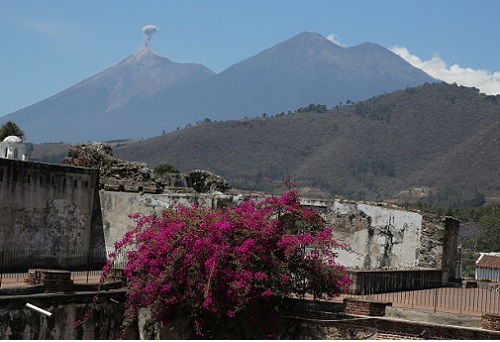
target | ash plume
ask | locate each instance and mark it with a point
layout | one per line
(147, 32)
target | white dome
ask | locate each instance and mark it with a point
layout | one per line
(13, 139)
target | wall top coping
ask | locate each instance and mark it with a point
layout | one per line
(24, 164)
(497, 316)
(361, 300)
(381, 271)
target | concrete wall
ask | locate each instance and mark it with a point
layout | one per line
(46, 208)
(387, 237)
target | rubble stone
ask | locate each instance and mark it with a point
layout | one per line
(121, 175)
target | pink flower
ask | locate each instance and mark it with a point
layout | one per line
(285, 278)
(266, 294)
(200, 261)
(260, 275)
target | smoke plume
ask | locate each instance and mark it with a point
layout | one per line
(148, 31)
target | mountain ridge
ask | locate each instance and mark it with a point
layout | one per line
(432, 137)
(137, 99)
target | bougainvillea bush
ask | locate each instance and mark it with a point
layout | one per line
(214, 267)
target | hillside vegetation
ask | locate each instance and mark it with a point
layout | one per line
(145, 94)
(425, 141)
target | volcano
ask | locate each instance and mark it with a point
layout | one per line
(146, 95)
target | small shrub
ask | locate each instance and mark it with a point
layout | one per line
(163, 169)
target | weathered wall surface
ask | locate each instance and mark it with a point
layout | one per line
(388, 237)
(380, 237)
(54, 208)
(45, 207)
(117, 206)
(17, 322)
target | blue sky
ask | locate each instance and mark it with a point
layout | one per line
(49, 45)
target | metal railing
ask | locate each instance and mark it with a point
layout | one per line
(16, 264)
(457, 299)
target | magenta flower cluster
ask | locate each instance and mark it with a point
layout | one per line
(204, 263)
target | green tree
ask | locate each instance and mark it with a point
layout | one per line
(163, 169)
(452, 197)
(10, 128)
(487, 236)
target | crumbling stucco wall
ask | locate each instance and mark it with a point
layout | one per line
(383, 236)
(117, 206)
(46, 208)
(54, 208)
(379, 236)
(17, 322)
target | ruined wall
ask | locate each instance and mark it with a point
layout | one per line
(54, 208)
(117, 206)
(380, 236)
(46, 208)
(17, 322)
(387, 237)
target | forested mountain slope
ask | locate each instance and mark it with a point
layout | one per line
(436, 137)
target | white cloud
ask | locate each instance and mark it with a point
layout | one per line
(334, 39)
(484, 80)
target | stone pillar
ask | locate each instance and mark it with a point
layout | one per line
(365, 307)
(57, 281)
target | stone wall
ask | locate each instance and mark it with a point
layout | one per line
(403, 329)
(387, 237)
(381, 237)
(57, 208)
(117, 206)
(47, 208)
(123, 175)
(18, 322)
(356, 306)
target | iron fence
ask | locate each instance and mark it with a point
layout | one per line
(474, 299)
(408, 291)
(16, 264)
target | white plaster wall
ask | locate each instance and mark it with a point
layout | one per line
(378, 236)
(406, 227)
(117, 206)
(7, 150)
